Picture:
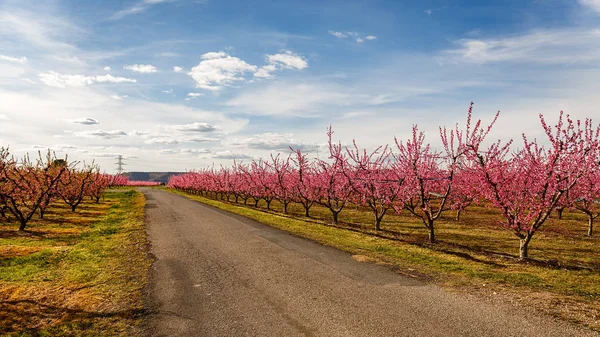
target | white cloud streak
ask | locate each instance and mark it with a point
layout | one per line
(141, 68)
(100, 134)
(21, 60)
(84, 121)
(197, 127)
(54, 79)
(560, 46)
(137, 8)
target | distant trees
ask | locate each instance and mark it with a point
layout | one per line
(28, 187)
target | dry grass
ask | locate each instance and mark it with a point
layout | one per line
(75, 274)
(475, 254)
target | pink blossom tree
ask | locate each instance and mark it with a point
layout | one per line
(527, 185)
(332, 186)
(370, 178)
(305, 191)
(585, 196)
(429, 174)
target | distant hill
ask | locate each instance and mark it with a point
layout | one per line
(161, 177)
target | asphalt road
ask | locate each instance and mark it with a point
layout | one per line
(218, 274)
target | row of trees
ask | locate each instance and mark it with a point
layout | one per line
(526, 183)
(28, 187)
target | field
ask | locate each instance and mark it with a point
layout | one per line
(76, 273)
(473, 255)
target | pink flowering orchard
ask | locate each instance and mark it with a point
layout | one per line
(28, 187)
(525, 182)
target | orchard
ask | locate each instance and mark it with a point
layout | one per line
(28, 187)
(526, 182)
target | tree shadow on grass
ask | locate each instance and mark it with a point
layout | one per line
(16, 233)
(32, 317)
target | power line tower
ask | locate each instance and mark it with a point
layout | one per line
(120, 164)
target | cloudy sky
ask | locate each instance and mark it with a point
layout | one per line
(181, 84)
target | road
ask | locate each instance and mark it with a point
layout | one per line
(219, 274)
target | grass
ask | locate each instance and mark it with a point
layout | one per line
(76, 274)
(473, 255)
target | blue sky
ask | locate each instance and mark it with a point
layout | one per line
(182, 84)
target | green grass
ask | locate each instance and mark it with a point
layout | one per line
(474, 254)
(76, 274)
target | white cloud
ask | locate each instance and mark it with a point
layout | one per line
(197, 127)
(84, 121)
(230, 155)
(285, 60)
(194, 94)
(288, 60)
(139, 133)
(100, 133)
(273, 141)
(21, 60)
(139, 7)
(107, 68)
(64, 146)
(592, 4)
(4, 117)
(54, 79)
(218, 70)
(170, 91)
(213, 55)
(200, 139)
(355, 35)
(163, 141)
(265, 71)
(117, 97)
(141, 68)
(177, 69)
(544, 46)
(108, 78)
(338, 34)
(195, 151)
(428, 11)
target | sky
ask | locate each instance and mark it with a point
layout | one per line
(175, 85)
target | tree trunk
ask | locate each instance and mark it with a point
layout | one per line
(458, 214)
(559, 211)
(306, 208)
(590, 225)
(377, 223)
(335, 216)
(268, 204)
(73, 207)
(524, 247)
(285, 205)
(256, 203)
(431, 232)
(22, 226)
